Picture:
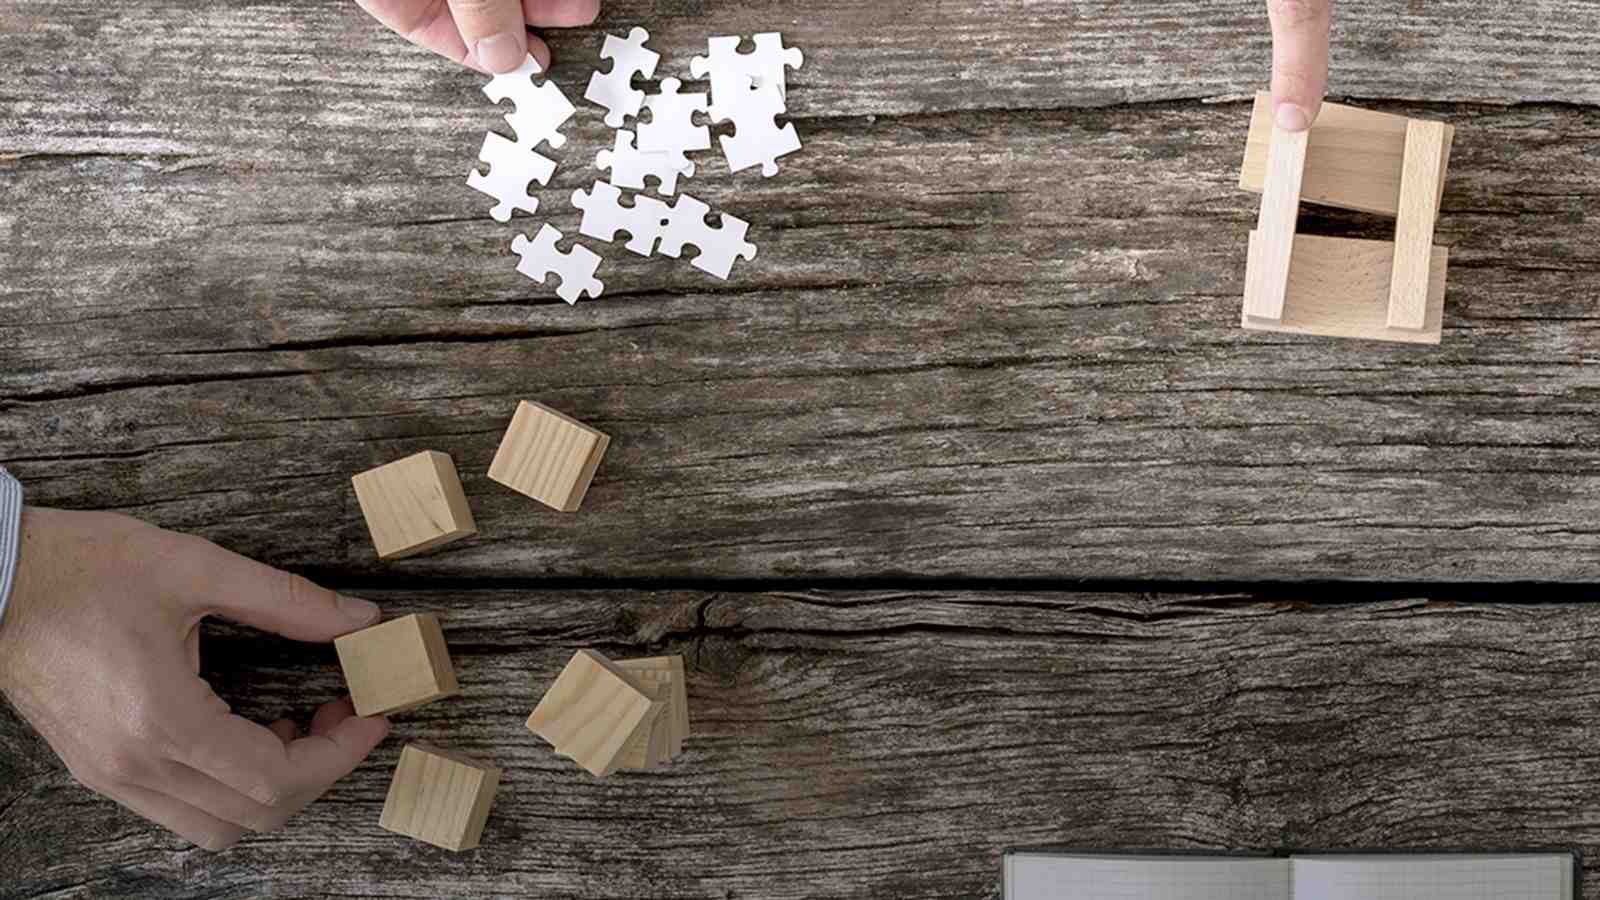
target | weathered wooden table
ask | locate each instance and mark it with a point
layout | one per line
(978, 519)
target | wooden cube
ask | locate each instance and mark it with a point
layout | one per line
(413, 504)
(593, 712)
(662, 677)
(397, 665)
(439, 797)
(548, 456)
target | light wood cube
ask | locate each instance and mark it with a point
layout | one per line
(439, 797)
(413, 504)
(548, 456)
(593, 712)
(397, 665)
(662, 677)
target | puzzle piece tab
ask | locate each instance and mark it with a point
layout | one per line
(604, 215)
(757, 139)
(671, 128)
(541, 108)
(614, 89)
(511, 169)
(731, 71)
(629, 165)
(540, 258)
(719, 247)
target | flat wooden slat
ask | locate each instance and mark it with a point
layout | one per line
(1271, 253)
(1421, 186)
(1339, 287)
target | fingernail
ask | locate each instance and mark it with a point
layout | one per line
(357, 609)
(1293, 118)
(502, 52)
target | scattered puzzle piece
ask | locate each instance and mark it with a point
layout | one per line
(541, 108)
(671, 128)
(511, 169)
(731, 71)
(757, 140)
(540, 258)
(604, 215)
(614, 90)
(629, 166)
(719, 247)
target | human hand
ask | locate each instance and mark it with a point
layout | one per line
(488, 35)
(1299, 60)
(100, 651)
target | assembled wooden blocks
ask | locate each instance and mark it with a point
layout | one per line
(1353, 159)
(439, 797)
(548, 456)
(397, 665)
(413, 504)
(662, 678)
(594, 713)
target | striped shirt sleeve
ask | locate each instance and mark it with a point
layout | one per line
(10, 528)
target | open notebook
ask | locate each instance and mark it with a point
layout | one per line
(1452, 876)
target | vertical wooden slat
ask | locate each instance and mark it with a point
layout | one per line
(1267, 273)
(1421, 186)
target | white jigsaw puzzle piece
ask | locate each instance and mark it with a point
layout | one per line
(511, 169)
(604, 215)
(757, 139)
(731, 71)
(719, 247)
(671, 128)
(614, 90)
(540, 258)
(629, 165)
(541, 108)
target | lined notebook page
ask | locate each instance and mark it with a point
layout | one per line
(1463, 877)
(1046, 876)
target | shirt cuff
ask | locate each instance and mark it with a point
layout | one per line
(10, 535)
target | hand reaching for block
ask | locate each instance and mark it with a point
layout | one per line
(488, 35)
(1299, 60)
(100, 652)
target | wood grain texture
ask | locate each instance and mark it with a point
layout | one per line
(439, 797)
(413, 505)
(1421, 187)
(397, 666)
(892, 744)
(548, 456)
(1266, 280)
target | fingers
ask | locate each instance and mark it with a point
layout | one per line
(560, 13)
(193, 825)
(494, 31)
(256, 762)
(215, 799)
(1299, 60)
(214, 580)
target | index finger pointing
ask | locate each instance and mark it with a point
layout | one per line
(1300, 31)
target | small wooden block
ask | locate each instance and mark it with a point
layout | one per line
(1267, 282)
(1354, 158)
(1339, 287)
(667, 672)
(439, 797)
(548, 456)
(397, 665)
(649, 747)
(413, 504)
(592, 712)
(1420, 189)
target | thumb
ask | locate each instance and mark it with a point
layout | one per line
(1299, 60)
(494, 31)
(260, 596)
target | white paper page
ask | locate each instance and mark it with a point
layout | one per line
(1440, 877)
(1047, 876)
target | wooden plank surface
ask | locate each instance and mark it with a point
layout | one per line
(892, 744)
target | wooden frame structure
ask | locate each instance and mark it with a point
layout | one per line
(1340, 287)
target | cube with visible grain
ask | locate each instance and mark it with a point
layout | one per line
(439, 797)
(662, 677)
(397, 665)
(593, 712)
(548, 456)
(413, 504)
